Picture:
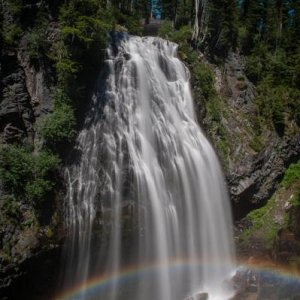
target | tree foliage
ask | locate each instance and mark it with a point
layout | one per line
(25, 175)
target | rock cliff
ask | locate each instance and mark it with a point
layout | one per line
(253, 162)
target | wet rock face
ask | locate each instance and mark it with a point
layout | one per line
(27, 93)
(256, 181)
(264, 285)
(199, 296)
(16, 113)
(33, 279)
(39, 80)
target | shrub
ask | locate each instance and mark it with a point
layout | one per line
(214, 109)
(205, 79)
(59, 126)
(165, 29)
(37, 190)
(129, 22)
(182, 35)
(14, 6)
(191, 56)
(16, 165)
(26, 175)
(66, 70)
(254, 68)
(11, 34)
(263, 219)
(10, 206)
(37, 42)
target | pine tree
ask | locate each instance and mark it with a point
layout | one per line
(223, 26)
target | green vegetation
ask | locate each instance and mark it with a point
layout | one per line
(256, 143)
(296, 199)
(264, 226)
(37, 43)
(271, 47)
(74, 50)
(292, 175)
(281, 212)
(267, 33)
(13, 31)
(25, 175)
(59, 126)
(12, 34)
(10, 207)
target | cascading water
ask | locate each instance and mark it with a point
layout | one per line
(146, 188)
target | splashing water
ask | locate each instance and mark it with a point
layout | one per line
(146, 186)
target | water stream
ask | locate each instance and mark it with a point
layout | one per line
(145, 187)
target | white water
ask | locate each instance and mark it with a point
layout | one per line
(146, 186)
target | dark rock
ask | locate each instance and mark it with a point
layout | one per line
(34, 278)
(199, 296)
(16, 114)
(264, 285)
(39, 81)
(252, 174)
(253, 184)
(127, 56)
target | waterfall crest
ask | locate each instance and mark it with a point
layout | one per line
(146, 187)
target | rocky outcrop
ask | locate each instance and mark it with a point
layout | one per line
(264, 285)
(16, 112)
(27, 95)
(256, 162)
(39, 81)
(256, 179)
(33, 278)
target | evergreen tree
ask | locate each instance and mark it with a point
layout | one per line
(223, 26)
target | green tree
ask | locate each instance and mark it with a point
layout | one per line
(223, 26)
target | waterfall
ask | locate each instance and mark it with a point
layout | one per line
(145, 186)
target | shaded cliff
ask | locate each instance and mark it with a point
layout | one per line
(255, 155)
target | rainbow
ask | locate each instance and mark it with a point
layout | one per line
(98, 284)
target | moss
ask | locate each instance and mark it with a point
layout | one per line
(291, 175)
(49, 232)
(263, 226)
(295, 201)
(256, 143)
(214, 109)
